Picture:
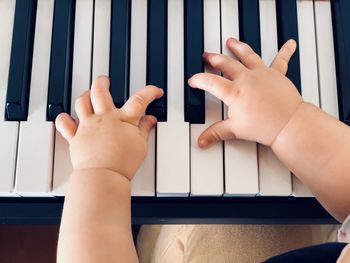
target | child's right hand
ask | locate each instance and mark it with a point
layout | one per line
(260, 99)
(107, 137)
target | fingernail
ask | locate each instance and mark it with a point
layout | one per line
(232, 41)
(293, 43)
(103, 77)
(104, 80)
(203, 143)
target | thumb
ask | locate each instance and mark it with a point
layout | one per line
(218, 131)
(66, 126)
(146, 124)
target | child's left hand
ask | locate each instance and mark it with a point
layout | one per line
(107, 137)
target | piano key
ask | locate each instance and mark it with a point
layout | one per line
(194, 39)
(268, 30)
(60, 78)
(287, 28)
(325, 54)
(207, 171)
(101, 45)
(143, 183)
(274, 177)
(173, 156)
(157, 55)
(21, 60)
(119, 51)
(8, 130)
(299, 189)
(80, 82)
(341, 35)
(241, 168)
(34, 171)
(308, 69)
(307, 51)
(249, 25)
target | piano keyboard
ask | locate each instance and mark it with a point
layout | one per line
(50, 50)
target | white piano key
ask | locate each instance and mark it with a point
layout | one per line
(326, 60)
(268, 30)
(241, 167)
(80, 83)
(274, 177)
(173, 167)
(308, 68)
(143, 183)
(8, 130)
(299, 189)
(307, 51)
(207, 171)
(102, 31)
(34, 171)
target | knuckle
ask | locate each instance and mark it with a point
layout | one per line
(138, 99)
(251, 56)
(281, 64)
(216, 60)
(235, 92)
(289, 48)
(283, 57)
(97, 89)
(245, 47)
(215, 134)
(98, 118)
(79, 101)
(209, 81)
(246, 81)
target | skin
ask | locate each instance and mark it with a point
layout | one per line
(263, 106)
(96, 219)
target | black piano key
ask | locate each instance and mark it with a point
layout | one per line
(20, 71)
(341, 25)
(287, 28)
(157, 54)
(249, 24)
(61, 63)
(194, 46)
(119, 51)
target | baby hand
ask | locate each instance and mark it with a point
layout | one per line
(260, 99)
(107, 137)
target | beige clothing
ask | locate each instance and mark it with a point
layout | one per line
(226, 243)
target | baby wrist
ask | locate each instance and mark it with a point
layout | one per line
(97, 170)
(301, 117)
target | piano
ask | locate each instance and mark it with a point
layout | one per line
(51, 50)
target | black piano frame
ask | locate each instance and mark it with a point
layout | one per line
(192, 210)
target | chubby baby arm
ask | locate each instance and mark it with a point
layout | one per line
(264, 106)
(107, 146)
